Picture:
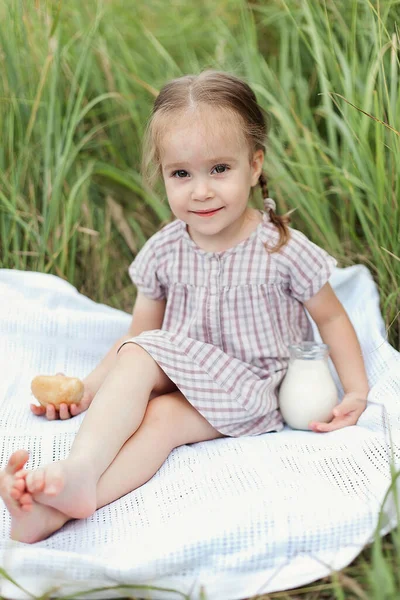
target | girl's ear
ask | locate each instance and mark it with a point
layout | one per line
(256, 166)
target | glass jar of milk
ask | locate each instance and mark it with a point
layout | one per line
(308, 392)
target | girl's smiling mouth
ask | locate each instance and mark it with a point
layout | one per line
(206, 213)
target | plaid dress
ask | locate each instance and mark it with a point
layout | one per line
(229, 319)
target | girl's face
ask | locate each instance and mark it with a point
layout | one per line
(208, 175)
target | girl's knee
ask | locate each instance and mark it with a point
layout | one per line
(131, 352)
(163, 411)
(130, 349)
(177, 420)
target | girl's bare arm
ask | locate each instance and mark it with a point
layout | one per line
(147, 315)
(337, 331)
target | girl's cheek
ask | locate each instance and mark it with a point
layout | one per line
(171, 188)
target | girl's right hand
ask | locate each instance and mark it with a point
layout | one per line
(66, 411)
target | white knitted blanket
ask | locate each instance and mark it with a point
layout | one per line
(228, 518)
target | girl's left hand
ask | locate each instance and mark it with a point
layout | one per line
(344, 414)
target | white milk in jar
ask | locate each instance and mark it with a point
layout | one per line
(308, 392)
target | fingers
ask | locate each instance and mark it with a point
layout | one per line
(339, 411)
(343, 409)
(51, 413)
(38, 410)
(75, 409)
(344, 414)
(336, 423)
(64, 412)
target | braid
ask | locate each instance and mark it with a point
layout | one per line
(280, 221)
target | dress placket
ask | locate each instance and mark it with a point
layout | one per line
(214, 320)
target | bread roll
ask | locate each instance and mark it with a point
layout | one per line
(57, 389)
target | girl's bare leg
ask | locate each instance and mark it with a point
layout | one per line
(169, 421)
(114, 415)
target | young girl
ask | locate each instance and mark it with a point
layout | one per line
(222, 292)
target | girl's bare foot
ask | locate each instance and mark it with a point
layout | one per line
(30, 522)
(66, 486)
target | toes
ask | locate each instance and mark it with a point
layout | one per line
(41, 481)
(26, 499)
(21, 474)
(17, 461)
(35, 481)
(18, 487)
(19, 484)
(15, 494)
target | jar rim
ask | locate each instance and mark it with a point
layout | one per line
(309, 350)
(309, 345)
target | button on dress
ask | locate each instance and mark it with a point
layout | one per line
(229, 319)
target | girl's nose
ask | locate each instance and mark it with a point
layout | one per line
(202, 190)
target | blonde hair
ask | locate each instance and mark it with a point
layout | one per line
(219, 90)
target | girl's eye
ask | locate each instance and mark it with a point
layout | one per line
(181, 173)
(221, 168)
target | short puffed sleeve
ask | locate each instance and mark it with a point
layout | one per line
(144, 272)
(309, 267)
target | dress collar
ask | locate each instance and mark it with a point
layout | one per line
(228, 251)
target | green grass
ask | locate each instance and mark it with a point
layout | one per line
(77, 81)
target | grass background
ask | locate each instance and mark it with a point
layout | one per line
(77, 82)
